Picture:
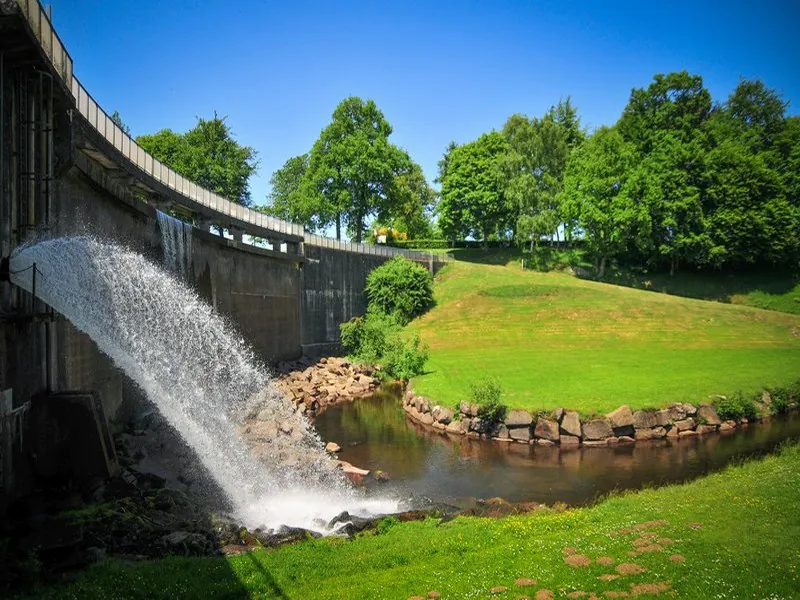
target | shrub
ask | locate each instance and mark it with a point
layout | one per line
(486, 394)
(377, 339)
(735, 407)
(400, 287)
(782, 398)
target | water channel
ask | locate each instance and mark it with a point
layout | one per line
(375, 433)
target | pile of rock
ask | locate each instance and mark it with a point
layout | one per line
(566, 428)
(313, 385)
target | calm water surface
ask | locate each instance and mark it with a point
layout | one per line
(375, 433)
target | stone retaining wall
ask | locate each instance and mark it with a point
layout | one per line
(566, 428)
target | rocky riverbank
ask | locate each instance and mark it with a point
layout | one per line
(313, 385)
(567, 429)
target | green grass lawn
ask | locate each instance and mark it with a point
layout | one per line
(734, 534)
(555, 340)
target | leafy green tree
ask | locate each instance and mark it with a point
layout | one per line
(411, 203)
(117, 120)
(208, 155)
(595, 195)
(676, 102)
(290, 197)
(531, 173)
(472, 201)
(353, 166)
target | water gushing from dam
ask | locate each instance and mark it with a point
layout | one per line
(176, 239)
(201, 375)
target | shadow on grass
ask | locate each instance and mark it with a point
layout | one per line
(266, 578)
(768, 289)
(492, 256)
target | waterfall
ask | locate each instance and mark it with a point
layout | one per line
(201, 375)
(176, 238)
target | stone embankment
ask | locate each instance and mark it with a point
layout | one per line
(314, 385)
(566, 428)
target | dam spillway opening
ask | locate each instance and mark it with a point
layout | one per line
(200, 374)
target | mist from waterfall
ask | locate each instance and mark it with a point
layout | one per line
(201, 375)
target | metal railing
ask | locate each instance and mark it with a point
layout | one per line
(94, 114)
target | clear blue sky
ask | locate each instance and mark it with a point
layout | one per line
(439, 71)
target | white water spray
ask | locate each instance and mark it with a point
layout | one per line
(202, 377)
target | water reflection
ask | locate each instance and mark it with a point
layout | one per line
(377, 434)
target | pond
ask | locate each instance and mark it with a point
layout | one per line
(375, 433)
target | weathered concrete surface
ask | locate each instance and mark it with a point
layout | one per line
(333, 292)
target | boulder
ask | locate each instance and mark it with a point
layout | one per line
(186, 543)
(687, 433)
(518, 418)
(685, 425)
(676, 412)
(544, 442)
(570, 424)
(426, 418)
(622, 418)
(558, 414)
(672, 433)
(663, 417)
(701, 429)
(597, 429)
(454, 427)
(570, 441)
(658, 432)
(707, 415)
(443, 415)
(625, 439)
(727, 426)
(500, 431)
(546, 430)
(689, 409)
(479, 425)
(644, 434)
(332, 447)
(464, 408)
(520, 434)
(595, 443)
(644, 419)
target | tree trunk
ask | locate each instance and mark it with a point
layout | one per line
(359, 228)
(673, 266)
(339, 226)
(602, 271)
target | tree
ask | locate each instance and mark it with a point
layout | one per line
(353, 166)
(208, 155)
(532, 171)
(290, 197)
(117, 120)
(411, 203)
(472, 201)
(595, 195)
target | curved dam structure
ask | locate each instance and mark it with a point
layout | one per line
(67, 170)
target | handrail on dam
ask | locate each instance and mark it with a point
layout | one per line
(101, 122)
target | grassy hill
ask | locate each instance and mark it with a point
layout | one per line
(555, 340)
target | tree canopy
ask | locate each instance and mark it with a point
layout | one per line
(706, 185)
(207, 154)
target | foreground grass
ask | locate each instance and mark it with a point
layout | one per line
(556, 340)
(738, 533)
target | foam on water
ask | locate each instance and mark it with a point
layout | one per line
(200, 374)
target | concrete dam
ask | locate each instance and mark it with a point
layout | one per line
(66, 170)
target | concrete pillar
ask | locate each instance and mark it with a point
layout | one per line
(238, 234)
